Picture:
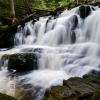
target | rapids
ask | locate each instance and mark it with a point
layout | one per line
(69, 46)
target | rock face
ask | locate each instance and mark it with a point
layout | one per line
(86, 88)
(22, 62)
(6, 97)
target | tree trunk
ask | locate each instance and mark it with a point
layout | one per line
(12, 7)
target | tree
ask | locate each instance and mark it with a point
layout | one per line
(12, 7)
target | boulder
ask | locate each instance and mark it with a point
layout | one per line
(79, 85)
(22, 62)
(86, 88)
(59, 93)
(92, 78)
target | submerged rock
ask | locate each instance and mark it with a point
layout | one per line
(22, 62)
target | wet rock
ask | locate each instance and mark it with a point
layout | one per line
(79, 85)
(6, 97)
(84, 11)
(59, 93)
(76, 89)
(92, 78)
(4, 60)
(36, 50)
(73, 37)
(22, 62)
(75, 22)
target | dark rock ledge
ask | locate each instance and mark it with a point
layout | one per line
(86, 88)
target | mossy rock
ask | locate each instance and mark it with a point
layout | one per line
(6, 97)
(59, 93)
(96, 95)
(79, 85)
(92, 78)
(22, 62)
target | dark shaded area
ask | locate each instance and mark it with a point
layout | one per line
(7, 36)
(75, 22)
(73, 37)
(84, 11)
(94, 72)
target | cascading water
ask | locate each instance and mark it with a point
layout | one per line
(68, 46)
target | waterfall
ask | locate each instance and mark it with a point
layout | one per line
(68, 46)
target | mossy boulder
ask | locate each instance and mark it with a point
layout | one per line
(79, 85)
(86, 88)
(6, 97)
(22, 62)
(92, 78)
(59, 93)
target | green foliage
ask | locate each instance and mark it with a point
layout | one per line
(50, 98)
(22, 7)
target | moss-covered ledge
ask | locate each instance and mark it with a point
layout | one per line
(6, 97)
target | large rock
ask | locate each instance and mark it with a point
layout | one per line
(80, 86)
(93, 79)
(86, 88)
(59, 93)
(22, 62)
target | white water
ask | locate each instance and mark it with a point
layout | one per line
(61, 57)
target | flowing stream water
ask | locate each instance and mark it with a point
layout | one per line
(69, 46)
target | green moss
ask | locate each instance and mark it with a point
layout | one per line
(92, 78)
(59, 93)
(50, 98)
(6, 97)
